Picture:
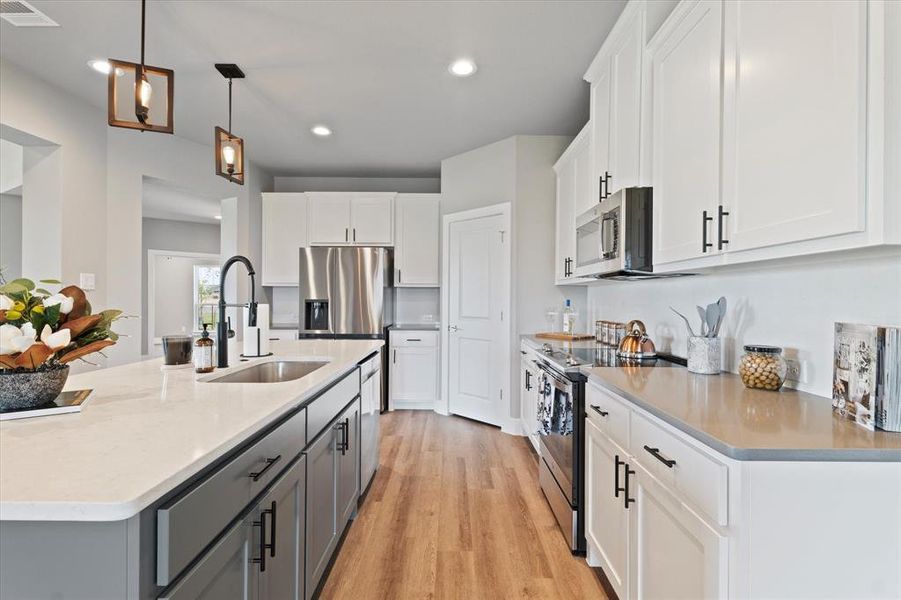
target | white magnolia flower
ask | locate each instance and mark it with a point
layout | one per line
(13, 339)
(65, 302)
(6, 302)
(57, 340)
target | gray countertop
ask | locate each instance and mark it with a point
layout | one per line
(746, 424)
(415, 326)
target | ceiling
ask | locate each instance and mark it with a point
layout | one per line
(373, 71)
(163, 200)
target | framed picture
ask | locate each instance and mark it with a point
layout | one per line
(855, 372)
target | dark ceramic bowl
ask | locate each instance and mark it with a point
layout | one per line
(27, 389)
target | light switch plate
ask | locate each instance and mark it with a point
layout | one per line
(87, 281)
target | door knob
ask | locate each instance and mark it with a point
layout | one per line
(453, 328)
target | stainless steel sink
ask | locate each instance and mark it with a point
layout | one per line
(271, 372)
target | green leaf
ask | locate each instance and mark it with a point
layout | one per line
(114, 336)
(42, 291)
(13, 289)
(51, 315)
(26, 283)
(55, 281)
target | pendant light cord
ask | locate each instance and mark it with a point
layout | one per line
(229, 106)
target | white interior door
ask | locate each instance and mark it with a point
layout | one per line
(478, 293)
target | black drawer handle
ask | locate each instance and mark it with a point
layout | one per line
(263, 545)
(598, 410)
(269, 462)
(414, 339)
(272, 526)
(626, 499)
(655, 452)
(617, 463)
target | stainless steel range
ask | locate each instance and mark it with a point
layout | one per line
(561, 433)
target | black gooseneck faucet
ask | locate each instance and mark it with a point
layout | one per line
(223, 328)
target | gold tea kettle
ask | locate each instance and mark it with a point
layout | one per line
(636, 344)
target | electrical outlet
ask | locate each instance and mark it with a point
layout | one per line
(795, 370)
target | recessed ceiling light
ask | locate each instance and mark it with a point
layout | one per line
(218, 217)
(462, 67)
(102, 66)
(321, 130)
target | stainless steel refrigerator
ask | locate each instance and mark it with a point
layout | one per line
(347, 292)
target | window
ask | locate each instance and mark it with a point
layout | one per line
(206, 295)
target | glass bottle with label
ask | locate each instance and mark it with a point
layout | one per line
(203, 352)
(569, 318)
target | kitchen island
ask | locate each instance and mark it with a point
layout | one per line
(134, 494)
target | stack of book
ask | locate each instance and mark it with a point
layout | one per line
(866, 383)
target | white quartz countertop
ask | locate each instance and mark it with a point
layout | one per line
(144, 431)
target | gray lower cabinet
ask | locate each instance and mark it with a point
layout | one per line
(260, 557)
(280, 536)
(333, 488)
(225, 572)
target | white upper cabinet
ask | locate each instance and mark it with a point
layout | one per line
(416, 240)
(348, 218)
(329, 218)
(372, 219)
(574, 173)
(795, 120)
(284, 233)
(615, 75)
(687, 84)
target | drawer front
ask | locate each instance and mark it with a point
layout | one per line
(698, 477)
(401, 338)
(608, 413)
(322, 410)
(187, 524)
(370, 366)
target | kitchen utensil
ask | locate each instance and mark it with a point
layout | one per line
(703, 314)
(684, 318)
(713, 317)
(636, 344)
(721, 303)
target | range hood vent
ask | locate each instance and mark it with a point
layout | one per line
(22, 14)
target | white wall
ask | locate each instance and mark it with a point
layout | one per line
(10, 166)
(11, 236)
(75, 231)
(518, 170)
(419, 185)
(417, 305)
(163, 234)
(792, 304)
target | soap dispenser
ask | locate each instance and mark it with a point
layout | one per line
(203, 352)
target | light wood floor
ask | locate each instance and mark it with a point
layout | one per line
(455, 511)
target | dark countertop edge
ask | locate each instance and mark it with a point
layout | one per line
(756, 454)
(415, 327)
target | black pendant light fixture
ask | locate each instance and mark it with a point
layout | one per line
(148, 105)
(229, 148)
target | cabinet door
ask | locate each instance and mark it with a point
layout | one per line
(687, 86)
(607, 519)
(372, 219)
(566, 223)
(674, 554)
(600, 138)
(225, 572)
(281, 517)
(414, 375)
(528, 398)
(796, 123)
(329, 218)
(625, 133)
(416, 240)
(284, 233)
(348, 484)
(321, 531)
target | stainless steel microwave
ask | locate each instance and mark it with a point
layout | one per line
(613, 238)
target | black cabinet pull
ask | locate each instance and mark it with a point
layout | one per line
(346, 435)
(272, 513)
(627, 500)
(604, 186)
(617, 463)
(720, 242)
(704, 243)
(263, 545)
(269, 462)
(598, 410)
(355, 234)
(655, 452)
(394, 360)
(528, 380)
(414, 339)
(346, 234)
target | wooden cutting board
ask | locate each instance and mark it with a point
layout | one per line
(566, 337)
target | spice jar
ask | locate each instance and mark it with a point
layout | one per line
(762, 367)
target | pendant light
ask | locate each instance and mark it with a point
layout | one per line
(229, 148)
(147, 105)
